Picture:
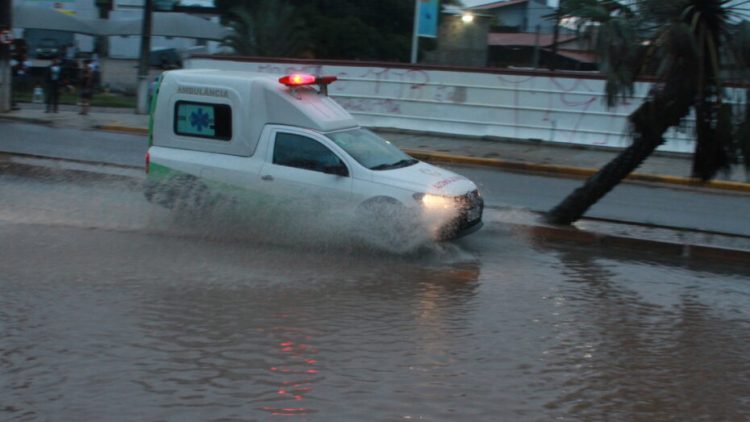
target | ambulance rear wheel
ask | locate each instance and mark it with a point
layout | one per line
(188, 193)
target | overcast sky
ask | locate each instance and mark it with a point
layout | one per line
(745, 5)
(476, 2)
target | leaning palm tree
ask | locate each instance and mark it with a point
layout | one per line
(688, 45)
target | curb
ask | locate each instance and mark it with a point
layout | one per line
(545, 233)
(115, 127)
(581, 172)
(576, 171)
(32, 120)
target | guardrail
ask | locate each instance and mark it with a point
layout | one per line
(562, 107)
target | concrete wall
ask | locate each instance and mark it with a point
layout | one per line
(553, 107)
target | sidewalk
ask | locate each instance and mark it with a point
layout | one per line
(509, 154)
(506, 154)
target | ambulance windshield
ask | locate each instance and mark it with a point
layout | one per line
(371, 150)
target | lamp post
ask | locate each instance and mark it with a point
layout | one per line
(143, 63)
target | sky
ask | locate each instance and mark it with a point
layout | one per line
(470, 3)
(553, 3)
(466, 2)
(202, 3)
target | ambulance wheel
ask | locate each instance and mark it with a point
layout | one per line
(158, 193)
(188, 193)
(178, 193)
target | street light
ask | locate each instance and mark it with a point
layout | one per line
(467, 17)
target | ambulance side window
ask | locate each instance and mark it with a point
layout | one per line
(302, 152)
(203, 120)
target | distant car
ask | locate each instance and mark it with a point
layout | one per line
(48, 48)
(166, 59)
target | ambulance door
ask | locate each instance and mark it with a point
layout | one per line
(306, 171)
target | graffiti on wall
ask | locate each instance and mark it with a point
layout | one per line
(541, 107)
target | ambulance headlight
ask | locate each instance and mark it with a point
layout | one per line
(435, 202)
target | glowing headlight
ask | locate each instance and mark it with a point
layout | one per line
(436, 201)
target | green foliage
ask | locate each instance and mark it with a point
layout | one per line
(742, 137)
(256, 30)
(670, 40)
(326, 29)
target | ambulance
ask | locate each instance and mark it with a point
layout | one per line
(281, 141)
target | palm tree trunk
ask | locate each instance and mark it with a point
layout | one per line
(580, 200)
(666, 108)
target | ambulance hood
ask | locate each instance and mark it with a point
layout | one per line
(426, 178)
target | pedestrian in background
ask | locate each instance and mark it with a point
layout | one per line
(20, 66)
(86, 86)
(53, 79)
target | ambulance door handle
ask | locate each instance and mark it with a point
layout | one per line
(267, 178)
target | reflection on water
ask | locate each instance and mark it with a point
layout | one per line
(650, 348)
(109, 310)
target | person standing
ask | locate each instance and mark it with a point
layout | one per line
(54, 76)
(86, 85)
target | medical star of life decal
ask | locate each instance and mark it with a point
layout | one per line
(199, 120)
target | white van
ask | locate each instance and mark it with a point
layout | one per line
(226, 133)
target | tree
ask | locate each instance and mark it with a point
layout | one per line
(6, 92)
(265, 28)
(688, 46)
(331, 29)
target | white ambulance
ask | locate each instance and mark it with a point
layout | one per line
(272, 140)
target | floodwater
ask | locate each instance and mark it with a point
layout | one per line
(111, 309)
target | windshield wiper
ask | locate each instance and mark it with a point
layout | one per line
(398, 164)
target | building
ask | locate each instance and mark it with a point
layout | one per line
(536, 50)
(85, 9)
(521, 34)
(518, 15)
(128, 46)
(112, 27)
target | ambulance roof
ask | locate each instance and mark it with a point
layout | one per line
(269, 101)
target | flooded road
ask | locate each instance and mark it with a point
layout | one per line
(112, 309)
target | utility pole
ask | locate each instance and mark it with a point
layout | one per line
(556, 35)
(535, 58)
(555, 38)
(143, 64)
(415, 34)
(6, 79)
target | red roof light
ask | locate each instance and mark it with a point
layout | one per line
(298, 79)
(302, 79)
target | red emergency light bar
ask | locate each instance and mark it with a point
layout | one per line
(302, 79)
(297, 79)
